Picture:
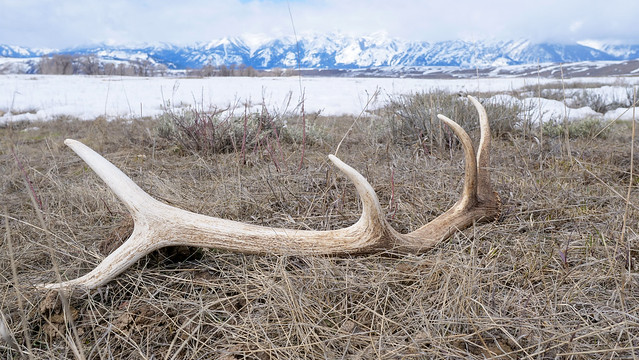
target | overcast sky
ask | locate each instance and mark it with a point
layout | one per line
(64, 23)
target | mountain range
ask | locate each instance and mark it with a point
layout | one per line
(338, 51)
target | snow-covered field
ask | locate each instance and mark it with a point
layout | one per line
(42, 97)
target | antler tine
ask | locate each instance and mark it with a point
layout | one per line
(372, 213)
(158, 224)
(135, 247)
(484, 187)
(469, 194)
(122, 186)
(477, 202)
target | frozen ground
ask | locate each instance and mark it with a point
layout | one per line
(40, 97)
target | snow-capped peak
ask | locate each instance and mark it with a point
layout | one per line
(342, 51)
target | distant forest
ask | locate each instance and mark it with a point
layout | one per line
(63, 64)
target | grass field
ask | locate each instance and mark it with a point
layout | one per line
(555, 277)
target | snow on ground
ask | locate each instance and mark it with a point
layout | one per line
(621, 114)
(44, 97)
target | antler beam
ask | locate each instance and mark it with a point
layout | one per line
(158, 225)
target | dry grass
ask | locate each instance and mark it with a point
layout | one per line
(551, 279)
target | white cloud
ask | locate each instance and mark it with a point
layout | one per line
(575, 26)
(61, 23)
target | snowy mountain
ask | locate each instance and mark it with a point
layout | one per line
(338, 51)
(9, 51)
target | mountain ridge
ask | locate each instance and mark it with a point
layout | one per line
(338, 51)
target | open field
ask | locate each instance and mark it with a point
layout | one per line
(45, 97)
(556, 276)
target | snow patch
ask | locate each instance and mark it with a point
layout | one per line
(44, 97)
(621, 114)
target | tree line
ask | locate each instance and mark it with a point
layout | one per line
(65, 64)
(238, 70)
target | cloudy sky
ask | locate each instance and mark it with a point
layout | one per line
(63, 23)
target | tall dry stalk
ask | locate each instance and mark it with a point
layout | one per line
(303, 132)
(244, 131)
(566, 130)
(14, 271)
(541, 120)
(299, 76)
(630, 181)
(361, 114)
(432, 120)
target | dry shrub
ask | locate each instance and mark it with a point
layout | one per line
(218, 130)
(583, 128)
(412, 119)
(553, 278)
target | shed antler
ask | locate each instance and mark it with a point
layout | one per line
(158, 225)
